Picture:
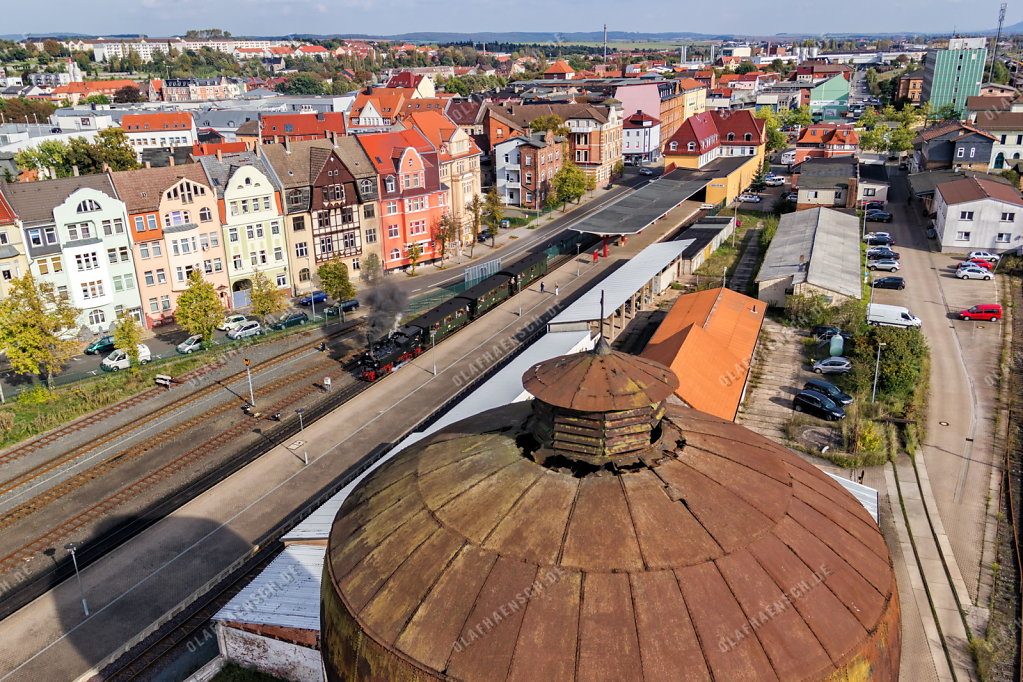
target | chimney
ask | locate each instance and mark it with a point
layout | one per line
(802, 262)
(220, 155)
(170, 160)
(148, 165)
(259, 150)
(74, 170)
(287, 145)
(106, 167)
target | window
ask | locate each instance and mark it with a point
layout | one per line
(140, 224)
(389, 185)
(966, 215)
(392, 231)
(731, 137)
(301, 250)
(392, 208)
(298, 223)
(161, 276)
(52, 264)
(869, 191)
(236, 262)
(748, 137)
(368, 211)
(176, 218)
(355, 264)
(333, 193)
(165, 303)
(278, 253)
(366, 187)
(282, 280)
(79, 231)
(151, 221)
(92, 290)
(395, 254)
(417, 227)
(962, 236)
(961, 152)
(150, 280)
(123, 282)
(232, 234)
(266, 203)
(254, 231)
(415, 204)
(1008, 217)
(1003, 237)
(144, 249)
(154, 305)
(87, 206)
(275, 227)
(812, 194)
(97, 317)
(111, 227)
(303, 275)
(86, 261)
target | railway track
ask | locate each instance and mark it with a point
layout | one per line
(123, 431)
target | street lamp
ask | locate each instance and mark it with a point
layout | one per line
(301, 433)
(73, 547)
(248, 373)
(877, 367)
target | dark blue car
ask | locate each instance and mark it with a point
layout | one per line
(314, 297)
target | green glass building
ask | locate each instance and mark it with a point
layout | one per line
(953, 74)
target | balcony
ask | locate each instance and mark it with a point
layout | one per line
(513, 184)
(512, 167)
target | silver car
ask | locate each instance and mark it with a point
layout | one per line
(833, 365)
(884, 264)
(244, 331)
(973, 272)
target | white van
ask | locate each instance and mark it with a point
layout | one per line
(879, 314)
(788, 158)
(119, 360)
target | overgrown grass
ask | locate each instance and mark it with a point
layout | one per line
(727, 255)
(232, 672)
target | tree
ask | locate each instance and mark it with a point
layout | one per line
(551, 122)
(869, 119)
(415, 252)
(267, 299)
(96, 99)
(53, 48)
(334, 280)
(48, 154)
(127, 337)
(35, 322)
(371, 270)
(475, 208)
(946, 112)
(199, 310)
(493, 212)
(129, 94)
(109, 148)
(569, 183)
(457, 86)
(871, 79)
(301, 84)
(445, 231)
(745, 66)
(776, 139)
(618, 168)
(800, 116)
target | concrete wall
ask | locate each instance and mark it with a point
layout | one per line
(274, 657)
(772, 292)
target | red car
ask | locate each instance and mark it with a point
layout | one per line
(984, 311)
(979, 263)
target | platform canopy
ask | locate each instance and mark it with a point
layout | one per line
(636, 211)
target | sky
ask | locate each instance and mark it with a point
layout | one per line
(380, 17)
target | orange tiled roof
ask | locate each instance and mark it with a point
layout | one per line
(87, 88)
(207, 148)
(385, 149)
(439, 129)
(560, 66)
(388, 101)
(708, 338)
(690, 84)
(133, 123)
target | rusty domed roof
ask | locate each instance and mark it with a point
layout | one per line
(600, 381)
(722, 555)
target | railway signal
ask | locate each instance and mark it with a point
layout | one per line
(248, 373)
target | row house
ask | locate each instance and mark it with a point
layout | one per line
(377, 109)
(459, 159)
(422, 85)
(158, 131)
(13, 257)
(271, 128)
(78, 90)
(252, 219)
(952, 144)
(1007, 129)
(202, 89)
(826, 140)
(594, 139)
(76, 234)
(412, 198)
(329, 191)
(524, 166)
(910, 87)
(641, 143)
(175, 229)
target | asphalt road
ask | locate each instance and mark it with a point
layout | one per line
(958, 448)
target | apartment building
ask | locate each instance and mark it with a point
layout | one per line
(524, 166)
(953, 75)
(175, 229)
(412, 197)
(329, 192)
(77, 239)
(159, 131)
(13, 259)
(252, 221)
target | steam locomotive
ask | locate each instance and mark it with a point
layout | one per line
(411, 340)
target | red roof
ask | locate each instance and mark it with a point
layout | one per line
(690, 84)
(134, 123)
(388, 102)
(439, 130)
(280, 50)
(209, 148)
(828, 133)
(302, 125)
(637, 120)
(317, 49)
(709, 129)
(87, 88)
(385, 149)
(404, 79)
(7, 214)
(560, 66)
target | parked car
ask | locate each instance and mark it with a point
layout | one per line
(879, 217)
(232, 322)
(817, 404)
(873, 235)
(979, 263)
(932, 233)
(984, 255)
(292, 320)
(874, 206)
(191, 344)
(750, 198)
(313, 297)
(645, 171)
(984, 311)
(884, 315)
(833, 365)
(792, 196)
(878, 252)
(881, 241)
(103, 344)
(245, 330)
(119, 359)
(828, 389)
(973, 272)
(824, 332)
(776, 181)
(890, 283)
(884, 264)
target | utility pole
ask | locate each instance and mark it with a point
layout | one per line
(998, 37)
(605, 36)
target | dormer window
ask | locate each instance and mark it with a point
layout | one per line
(731, 137)
(389, 183)
(673, 146)
(87, 206)
(691, 146)
(748, 137)
(248, 181)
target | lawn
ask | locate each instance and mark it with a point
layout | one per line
(730, 252)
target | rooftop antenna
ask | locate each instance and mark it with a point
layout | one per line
(600, 336)
(998, 37)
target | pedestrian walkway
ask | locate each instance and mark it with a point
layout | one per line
(744, 270)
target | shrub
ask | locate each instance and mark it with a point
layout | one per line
(37, 395)
(6, 420)
(808, 310)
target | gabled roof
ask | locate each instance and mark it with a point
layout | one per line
(136, 123)
(427, 104)
(686, 84)
(439, 129)
(404, 79)
(560, 66)
(1004, 120)
(35, 201)
(303, 124)
(990, 103)
(92, 87)
(385, 149)
(140, 190)
(708, 129)
(638, 119)
(7, 213)
(707, 336)
(976, 189)
(389, 102)
(828, 133)
(521, 115)
(463, 112)
(219, 171)
(202, 149)
(949, 127)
